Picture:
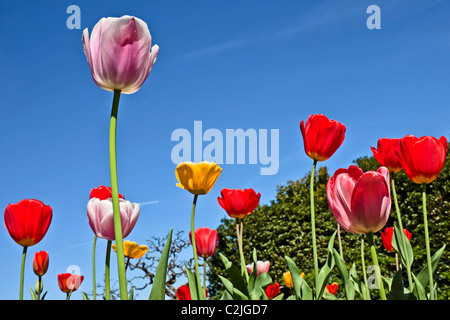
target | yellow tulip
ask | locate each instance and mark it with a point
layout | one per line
(132, 249)
(197, 178)
(287, 277)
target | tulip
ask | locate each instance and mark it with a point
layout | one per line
(272, 290)
(40, 263)
(360, 202)
(102, 193)
(120, 53)
(206, 241)
(386, 238)
(261, 267)
(423, 159)
(101, 220)
(287, 278)
(197, 178)
(132, 250)
(332, 288)
(69, 282)
(321, 136)
(387, 154)
(27, 222)
(184, 293)
(239, 203)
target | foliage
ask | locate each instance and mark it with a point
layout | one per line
(282, 228)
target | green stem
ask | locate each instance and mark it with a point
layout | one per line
(197, 273)
(39, 287)
(399, 218)
(313, 224)
(24, 254)
(363, 265)
(340, 241)
(373, 253)
(115, 197)
(427, 241)
(204, 272)
(94, 284)
(239, 231)
(107, 279)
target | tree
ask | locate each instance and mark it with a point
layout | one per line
(282, 228)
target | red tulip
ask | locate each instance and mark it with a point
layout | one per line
(360, 202)
(386, 237)
(27, 222)
(40, 263)
(332, 288)
(272, 290)
(422, 158)
(387, 154)
(321, 137)
(69, 282)
(205, 241)
(239, 203)
(184, 293)
(102, 193)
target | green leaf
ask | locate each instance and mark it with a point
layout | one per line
(423, 275)
(346, 276)
(301, 288)
(326, 269)
(131, 294)
(85, 296)
(192, 284)
(158, 291)
(279, 297)
(397, 288)
(226, 296)
(33, 294)
(262, 281)
(418, 289)
(235, 275)
(405, 251)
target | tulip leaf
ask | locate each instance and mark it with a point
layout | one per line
(235, 275)
(301, 288)
(85, 296)
(279, 297)
(131, 294)
(263, 280)
(326, 269)
(158, 290)
(402, 245)
(418, 289)
(226, 296)
(423, 275)
(397, 289)
(346, 276)
(192, 284)
(33, 294)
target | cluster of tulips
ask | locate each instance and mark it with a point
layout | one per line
(120, 55)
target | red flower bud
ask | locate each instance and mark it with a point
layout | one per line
(40, 263)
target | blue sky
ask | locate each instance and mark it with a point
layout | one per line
(231, 64)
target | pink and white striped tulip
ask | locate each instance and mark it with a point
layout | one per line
(101, 217)
(360, 201)
(119, 53)
(261, 267)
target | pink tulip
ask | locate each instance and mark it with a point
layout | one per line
(261, 267)
(101, 220)
(360, 202)
(205, 241)
(119, 53)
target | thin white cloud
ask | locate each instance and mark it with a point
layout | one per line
(326, 13)
(146, 203)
